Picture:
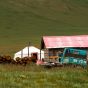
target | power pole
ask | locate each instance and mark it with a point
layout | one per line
(22, 53)
(40, 53)
(28, 49)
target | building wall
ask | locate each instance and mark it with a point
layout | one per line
(54, 53)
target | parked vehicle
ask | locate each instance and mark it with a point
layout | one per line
(73, 56)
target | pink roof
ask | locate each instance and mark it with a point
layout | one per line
(65, 41)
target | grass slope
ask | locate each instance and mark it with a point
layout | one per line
(22, 21)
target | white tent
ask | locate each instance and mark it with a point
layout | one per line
(29, 51)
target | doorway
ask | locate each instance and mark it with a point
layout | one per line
(34, 57)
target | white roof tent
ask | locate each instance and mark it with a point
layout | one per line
(28, 52)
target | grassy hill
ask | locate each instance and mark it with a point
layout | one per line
(22, 21)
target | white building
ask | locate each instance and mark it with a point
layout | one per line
(29, 51)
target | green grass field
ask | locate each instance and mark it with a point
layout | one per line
(23, 21)
(31, 76)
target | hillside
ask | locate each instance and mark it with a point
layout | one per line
(22, 21)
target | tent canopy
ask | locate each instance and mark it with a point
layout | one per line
(28, 51)
(64, 41)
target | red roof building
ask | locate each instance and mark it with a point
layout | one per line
(53, 44)
(64, 41)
